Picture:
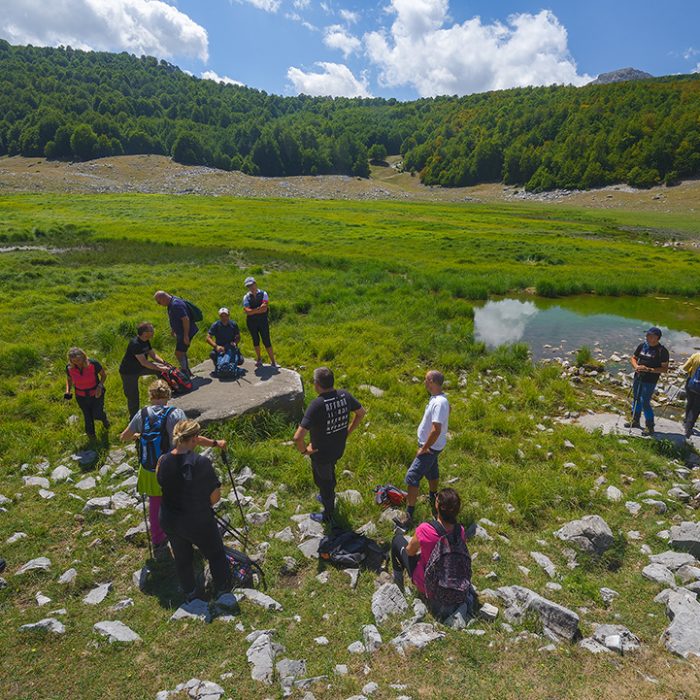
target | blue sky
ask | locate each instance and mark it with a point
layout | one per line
(391, 48)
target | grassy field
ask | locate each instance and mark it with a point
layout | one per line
(380, 292)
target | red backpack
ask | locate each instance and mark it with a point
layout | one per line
(177, 380)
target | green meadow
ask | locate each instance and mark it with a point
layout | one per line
(380, 292)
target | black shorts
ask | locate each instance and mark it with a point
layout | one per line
(259, 327)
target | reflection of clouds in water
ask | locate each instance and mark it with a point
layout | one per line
(681, 342)
(499, 322)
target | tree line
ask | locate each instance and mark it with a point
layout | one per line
(69, 104)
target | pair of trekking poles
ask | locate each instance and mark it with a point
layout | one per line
(240, 534)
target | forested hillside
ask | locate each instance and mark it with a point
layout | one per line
(69, 104)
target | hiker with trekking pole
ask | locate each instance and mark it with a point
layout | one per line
(692, 393)
(87, 378)
(152, 427)
(650, 360)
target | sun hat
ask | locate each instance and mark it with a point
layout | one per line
(223, 310)
(249, 281)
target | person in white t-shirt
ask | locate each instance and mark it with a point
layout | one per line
(432, 437)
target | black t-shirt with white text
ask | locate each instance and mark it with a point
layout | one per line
(653, 357)
(136, 346)
(327, 418)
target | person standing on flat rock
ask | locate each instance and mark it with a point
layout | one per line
(182, 326)
(692, 392)
(432, 438)
(650, 360)
(256, 305)
(327, 418)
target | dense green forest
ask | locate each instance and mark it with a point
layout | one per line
(69, 104)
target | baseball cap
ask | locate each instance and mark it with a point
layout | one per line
(654, 331)
(249, 281)
(223, 310)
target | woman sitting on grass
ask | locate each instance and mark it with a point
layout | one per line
(444, 579)
(87, 377)
(190, 488)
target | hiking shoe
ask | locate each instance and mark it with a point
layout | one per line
(318, 517)
(3, 564)
(258, 363)
(161, 552)
(633, 424)
(649, 429)
(106, 423)
(404, 521)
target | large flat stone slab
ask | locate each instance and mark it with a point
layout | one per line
(614, 424)
(214, 399)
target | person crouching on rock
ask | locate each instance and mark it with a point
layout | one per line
(223, 335)
(649, 360)
(692, 392)
(87, 377)
(190, 488)
(414, 557)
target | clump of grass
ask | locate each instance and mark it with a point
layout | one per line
(584, 356)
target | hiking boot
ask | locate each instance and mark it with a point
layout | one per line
(318, 517)
(404, 521)
(161, 552)
(3, 564)
(688, 432)
(649, 429)
(634, 423)
(106, 423)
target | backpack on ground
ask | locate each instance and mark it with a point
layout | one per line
(193, 311)
(348, 549)
(448, 572)
(177, 380)
(228, 364)
(154, 440)
(389, 496)
(694, 382)
(244, 570)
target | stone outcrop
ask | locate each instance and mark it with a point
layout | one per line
(590, 534)
(269, 388)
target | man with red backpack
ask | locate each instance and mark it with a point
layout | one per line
(436, 558)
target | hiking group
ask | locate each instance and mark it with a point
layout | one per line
(182, 486)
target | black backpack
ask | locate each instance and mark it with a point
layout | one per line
(193, 311)
(154, 440)
(348, 549)
(448, 572)
(243, 569)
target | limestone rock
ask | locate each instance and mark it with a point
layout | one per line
(285, 535)
(38, 564)
(682, 637)
(356, 648)
(16, 537)
(288, 671)
(86, 484)
(48, 624)
(659, 506)
(386, 601)
(590, 644)
(672, 560)
(40, 481)
(353, 574)
(659, 574)
(350, 496)
(688, 573)
(196, 610)
(374, 390)
(257, 518)
(686, 538)
(608, 595)
(590, 534)
(616, 638)
(418, 635)
(258, 598)
(116, 631)
(612, 493)
(545, 562)
(309, 548)
(269, 388)
(68, 576)
(61, 473)
(488, 612)
(133, 532)
(371, 638)
(261, 655)
(98, 594)
(561, 622)
(459, 618)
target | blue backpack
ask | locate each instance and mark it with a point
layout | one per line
(228, 363)
(154, 440)
(694, 382)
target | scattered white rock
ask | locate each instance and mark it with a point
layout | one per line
(418, 635)
(258, 598)
(659, 574)
(616, 638)
(613, 494)
(285, 535)
(86, 484)
(194, 610)
(16, 537)
(590, 534)
(545, 562)
(682, 637)
(388, 600)
(48, 624)
(38, 564)
(116, 631)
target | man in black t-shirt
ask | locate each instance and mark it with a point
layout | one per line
(139, 359)
(327, 418)
(649, 360)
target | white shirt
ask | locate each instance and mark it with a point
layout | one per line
(437, 411)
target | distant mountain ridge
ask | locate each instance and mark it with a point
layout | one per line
(621, 75)
(67, 104)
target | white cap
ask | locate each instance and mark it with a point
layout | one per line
(223, 310)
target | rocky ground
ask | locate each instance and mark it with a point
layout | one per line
(158, 174)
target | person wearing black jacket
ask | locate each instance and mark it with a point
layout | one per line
(190, 488)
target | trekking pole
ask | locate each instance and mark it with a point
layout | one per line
(225, 460)
(148, 530)
(637, 390)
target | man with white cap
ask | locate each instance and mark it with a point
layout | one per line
(255, 305)
(223, 335)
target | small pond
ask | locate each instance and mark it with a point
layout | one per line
(558, 328)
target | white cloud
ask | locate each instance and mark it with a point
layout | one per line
(336, 37)
(690, 52)
(212, 75)
(301, 4)
(697, 69)
(424, 51)
(138, 26)
(266, 5)
(335, 80)
(349, 16)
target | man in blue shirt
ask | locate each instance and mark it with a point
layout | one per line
(182, 326)
(223, 335)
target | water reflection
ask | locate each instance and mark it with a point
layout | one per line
(555, 331)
